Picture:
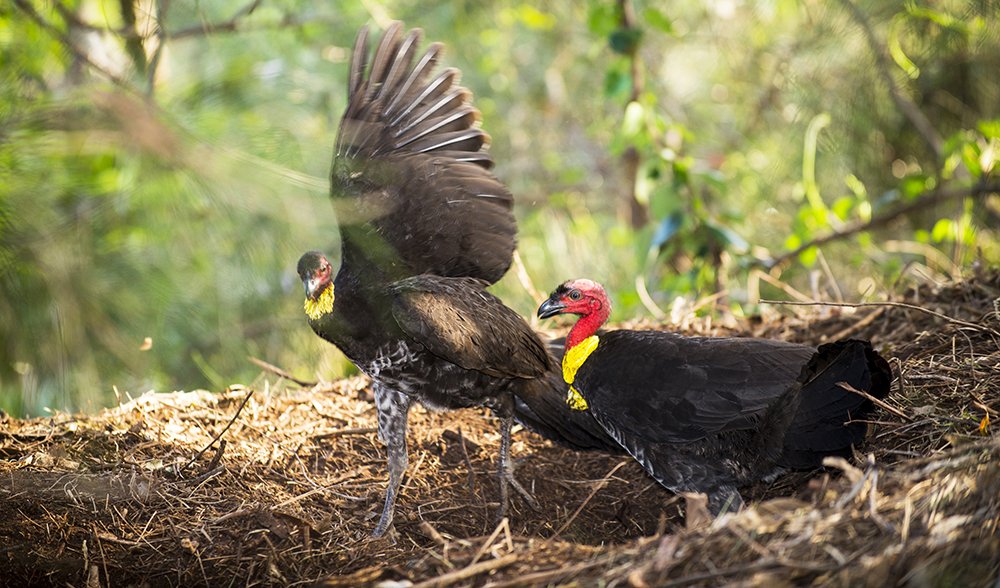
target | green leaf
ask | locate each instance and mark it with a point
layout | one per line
(842, 207)
(617, 83)
(970, 157)
(625, 40)
(942, 230)
(656, 19)
(808, 257)
(990, 128)
(602, 19)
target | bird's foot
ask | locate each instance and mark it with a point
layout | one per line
(532, 502)
(384, 522)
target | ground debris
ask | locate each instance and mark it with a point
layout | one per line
(281, 486)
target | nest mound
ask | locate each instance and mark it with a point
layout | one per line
(278, 485)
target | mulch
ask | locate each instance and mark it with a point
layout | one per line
(276, 484)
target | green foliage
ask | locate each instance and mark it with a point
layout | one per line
(165, 191)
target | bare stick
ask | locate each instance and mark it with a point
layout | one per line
(221, 433)
(279, 372)
(886, 303)
(597, 488)
(469, 572)
(877, 401)
(927, 199)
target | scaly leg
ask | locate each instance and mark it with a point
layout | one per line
(393, 408)
(507, 471)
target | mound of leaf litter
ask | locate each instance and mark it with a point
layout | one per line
(277, 485)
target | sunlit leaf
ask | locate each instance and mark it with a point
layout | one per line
(896, 50)
(989, 128)
(943, 229)
(808, 257)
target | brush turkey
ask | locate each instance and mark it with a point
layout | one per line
(704, 414)
(425, 227)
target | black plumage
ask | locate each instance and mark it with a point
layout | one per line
(425, 228)
(704, 414)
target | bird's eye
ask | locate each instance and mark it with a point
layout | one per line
(574, 295)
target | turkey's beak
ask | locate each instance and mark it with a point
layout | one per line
(313, 285)
(550, 307)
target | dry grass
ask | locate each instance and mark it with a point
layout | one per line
(281, 485)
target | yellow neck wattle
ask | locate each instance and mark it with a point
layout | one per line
(322, 306)
(573, 359)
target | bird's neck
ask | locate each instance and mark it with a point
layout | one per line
(585, 327)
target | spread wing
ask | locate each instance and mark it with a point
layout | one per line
(457, 320)
(665, 388)
(410, 178)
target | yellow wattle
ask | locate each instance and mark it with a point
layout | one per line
(572, 360)
(322, 306)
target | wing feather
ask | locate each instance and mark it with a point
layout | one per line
(410, 177)
(459, 321)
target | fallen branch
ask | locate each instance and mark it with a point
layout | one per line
(887, 303)
(280, 372)
(469, 572)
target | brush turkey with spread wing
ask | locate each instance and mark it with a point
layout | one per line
(704, 414)
(425, 227)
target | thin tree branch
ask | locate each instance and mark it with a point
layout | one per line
(26, 7)
(928, 199)
(909, 109)
(280, 372)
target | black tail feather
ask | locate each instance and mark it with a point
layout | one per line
(826, 420)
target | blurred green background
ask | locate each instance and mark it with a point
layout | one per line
(163, 164)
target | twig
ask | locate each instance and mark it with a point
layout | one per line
(279, 372)
(469, 572)
(929, 198)
(855, 327)
(597, 488)
(886, 303)
(503, 525)
(221, 433)
(877, 401)
(909, 109)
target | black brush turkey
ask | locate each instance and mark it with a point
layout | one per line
(706, 414)
(425, 227)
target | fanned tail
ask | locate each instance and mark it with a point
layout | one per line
(825, 422)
